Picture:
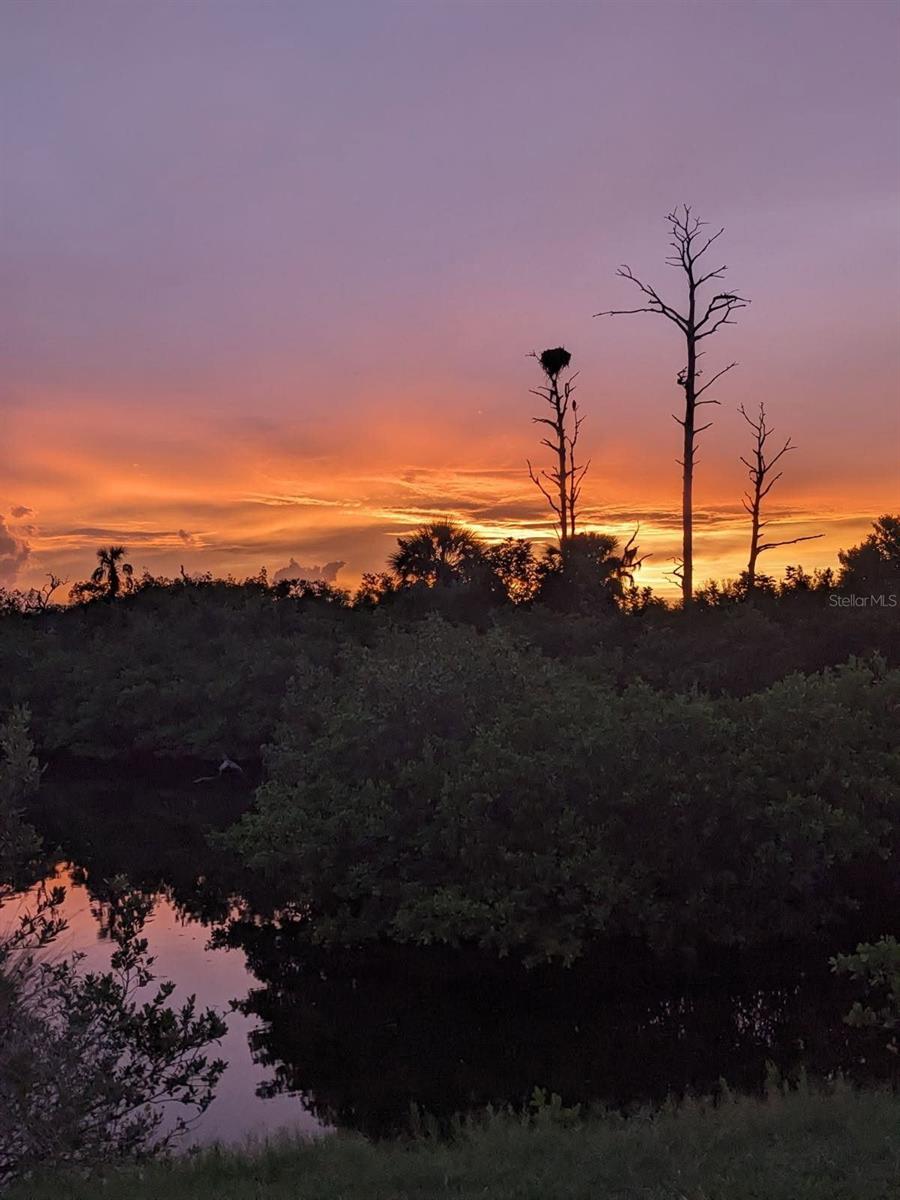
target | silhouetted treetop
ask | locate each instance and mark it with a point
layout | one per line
(109, 579)
(439, 553)
(699, 319)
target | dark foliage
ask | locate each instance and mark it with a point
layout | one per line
(196, 668)
(447, 786)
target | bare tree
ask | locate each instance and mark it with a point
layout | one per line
(700, 320)
(43, 596)
(761, 483)
(35, 600)
(561, 485)
(631, 558)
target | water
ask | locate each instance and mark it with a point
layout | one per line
(351, 1040)
(180, 946)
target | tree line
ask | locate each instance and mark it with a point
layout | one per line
(196, 667)
(584, 572)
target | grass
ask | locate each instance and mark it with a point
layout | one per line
(803, 1145)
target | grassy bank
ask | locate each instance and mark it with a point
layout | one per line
(803, 1146)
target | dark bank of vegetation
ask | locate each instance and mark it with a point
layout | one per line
(529, 755)
(485, 751)
(482, 748)
(445, 786)
(197, 667)
(794, 1144)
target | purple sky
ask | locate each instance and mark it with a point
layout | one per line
(271, 270)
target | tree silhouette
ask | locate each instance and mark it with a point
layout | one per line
(438, 554)
(35, 600)
(561, 485)
(109, 579)
(874, 565)
(515, 569)
(592, 569)
(108, 573)
(700, 320)
(762, 481)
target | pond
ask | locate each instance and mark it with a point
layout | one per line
(318, 1040)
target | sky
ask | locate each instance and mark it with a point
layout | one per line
(271, 271)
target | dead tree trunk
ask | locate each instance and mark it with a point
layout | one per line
(561, 485)
(700, 320)
(761, 483)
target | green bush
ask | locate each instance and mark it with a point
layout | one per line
(177, 672)
(448, 786)
(875, 966)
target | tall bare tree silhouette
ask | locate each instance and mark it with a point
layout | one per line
(761, 483)
(700, 320)
(561, 484)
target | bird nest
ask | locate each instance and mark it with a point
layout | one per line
(555, 360)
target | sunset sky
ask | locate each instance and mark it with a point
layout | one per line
(271, 270)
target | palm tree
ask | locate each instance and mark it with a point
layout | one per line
(439, 553)
(594, 568)
(111, 576)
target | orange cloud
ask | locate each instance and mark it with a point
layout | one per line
(233, 494)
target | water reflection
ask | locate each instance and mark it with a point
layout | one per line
(354, 1040)
(362, 1041)
(242, 1106)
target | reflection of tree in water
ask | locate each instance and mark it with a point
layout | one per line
(362, 1037)
(361, 1041)
(156, 836)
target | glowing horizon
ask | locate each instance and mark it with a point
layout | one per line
(232, 515)
(273, 273)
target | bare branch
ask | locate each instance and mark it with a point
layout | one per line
(718, 375)
(707, 245)
(657, 304)
(810, 537)
(725, 303)
(718, 273)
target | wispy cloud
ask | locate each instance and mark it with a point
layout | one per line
(294, 501)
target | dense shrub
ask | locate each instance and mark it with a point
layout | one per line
(199, 669)
(448, 786)
(171, 671)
